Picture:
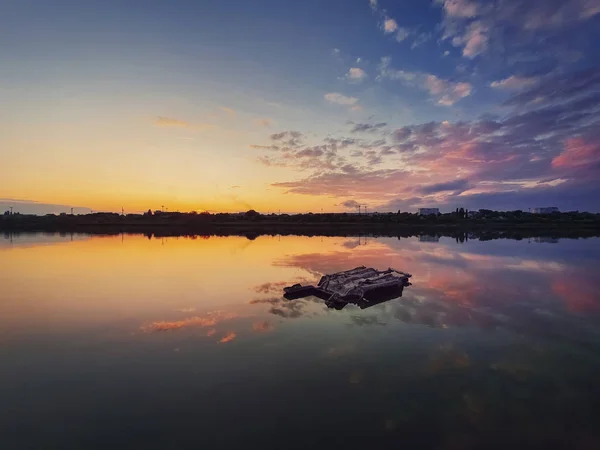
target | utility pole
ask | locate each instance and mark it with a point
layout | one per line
(11, 210)
(122, 211)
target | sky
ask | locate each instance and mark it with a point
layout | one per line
(299, 106)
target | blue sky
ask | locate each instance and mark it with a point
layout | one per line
(300, 105)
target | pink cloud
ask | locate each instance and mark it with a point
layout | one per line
(473, 160)
(447, 92)
(579, 294)
(475, 39)
(577, 153)
(514, 82)
(389, 25)
(435, 85)
(460, 8)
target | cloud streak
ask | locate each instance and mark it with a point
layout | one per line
(228, 338)
(514, 82)
(445, 92)
(367, 127)
(230, 112)
(162, 121)
(208, 320)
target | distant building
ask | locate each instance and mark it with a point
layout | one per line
(429, 211)
(428, 238)
(547, 210)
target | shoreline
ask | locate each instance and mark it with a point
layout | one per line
(248, 228)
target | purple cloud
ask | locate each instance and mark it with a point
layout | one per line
(548, 148)
(367, 128)
(459, 185)
(479, 27)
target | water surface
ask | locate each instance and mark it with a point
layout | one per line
(133, 342)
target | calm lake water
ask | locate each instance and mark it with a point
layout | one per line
(126, 342)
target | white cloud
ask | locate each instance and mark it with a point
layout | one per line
(389, 25)
(373, 4)
(386, 72)
(356, 75)
(420, 40)
(340, 99)
(402, 34)
(446, 53)
(514, 82)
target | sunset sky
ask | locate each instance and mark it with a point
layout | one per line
(230, 105)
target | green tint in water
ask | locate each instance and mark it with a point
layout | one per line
(129, 342)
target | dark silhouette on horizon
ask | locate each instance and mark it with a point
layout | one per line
(461, 224)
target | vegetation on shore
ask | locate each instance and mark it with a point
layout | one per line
(459, 222)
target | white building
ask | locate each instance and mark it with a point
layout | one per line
(547, 210)
(429, 211)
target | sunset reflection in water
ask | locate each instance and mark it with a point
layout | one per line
(207, 316)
